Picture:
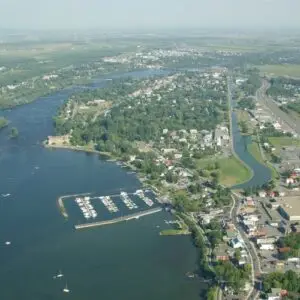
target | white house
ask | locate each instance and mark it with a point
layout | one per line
(236, 243)
(266, 247)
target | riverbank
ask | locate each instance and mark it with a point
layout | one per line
(87, 149)
(254, 150)
(230, 115)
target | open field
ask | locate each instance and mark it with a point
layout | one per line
(232, 171)
(284, 141)
(281, 70)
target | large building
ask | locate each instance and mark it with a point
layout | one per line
(290, 208)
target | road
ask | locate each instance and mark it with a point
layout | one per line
(256, 269)
(290, 121)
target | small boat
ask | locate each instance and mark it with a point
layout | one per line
(7, 243)
(66, 290)
(5, 195)
(59, 275)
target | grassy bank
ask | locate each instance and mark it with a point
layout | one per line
(174, 232)
(254, 150)
(78, 148)
(231, 170)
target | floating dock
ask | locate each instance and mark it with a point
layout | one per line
(120, 219)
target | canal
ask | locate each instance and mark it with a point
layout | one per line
(261, 173)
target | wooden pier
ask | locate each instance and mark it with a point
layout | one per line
(120, 219)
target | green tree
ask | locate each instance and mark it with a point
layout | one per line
(14, 132)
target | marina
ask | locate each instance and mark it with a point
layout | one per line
(128, 202)
(115, 208)
(110, 205)
(147, 200)
(86, 207)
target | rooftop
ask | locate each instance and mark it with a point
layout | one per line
(291, 205)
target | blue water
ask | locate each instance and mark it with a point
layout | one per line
(122, 261)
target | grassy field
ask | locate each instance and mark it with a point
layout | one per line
(283, 141)
(281, 70)
(253, 148)
(232, 171)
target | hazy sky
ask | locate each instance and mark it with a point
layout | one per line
(56, 14)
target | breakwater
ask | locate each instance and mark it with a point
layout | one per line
(119, 219)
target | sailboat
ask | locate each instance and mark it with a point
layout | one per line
(66, 290)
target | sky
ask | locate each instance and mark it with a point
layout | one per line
(147, 14)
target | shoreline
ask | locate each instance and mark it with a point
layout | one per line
(110, 158)
(77, 148)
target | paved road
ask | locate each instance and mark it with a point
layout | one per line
(290, 121)
(251, 250)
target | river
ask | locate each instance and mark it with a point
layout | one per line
(122, 261)
(261, 173)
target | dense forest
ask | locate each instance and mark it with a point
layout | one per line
(289, 281)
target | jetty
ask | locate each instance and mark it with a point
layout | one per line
(119, 219)
(61, 205)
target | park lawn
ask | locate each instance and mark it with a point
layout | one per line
(254, 150)
(281, 70)
(232, 171)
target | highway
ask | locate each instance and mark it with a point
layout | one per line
(261, 97)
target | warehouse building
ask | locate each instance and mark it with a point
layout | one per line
(290, 208)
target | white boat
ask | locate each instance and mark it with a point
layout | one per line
(7, 243)
(5, 195)
(66, 290)
(59, 275)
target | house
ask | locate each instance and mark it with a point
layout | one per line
(262, 194)
(165, 131)
(289, 181)
(177, 156)
(182, 140)
(132, 158)
(269, 240)
(169, 150)
(250, 202)
(236, 243)
(276, 294)
(221, 253)
(266, 247)
(230, 234)
(251, 218)
(193, 131)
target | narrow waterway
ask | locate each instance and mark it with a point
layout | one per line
(123, 261)
(261, 173)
